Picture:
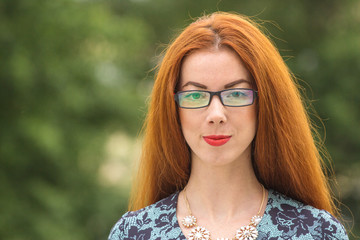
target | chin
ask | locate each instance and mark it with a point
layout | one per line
(217, 159)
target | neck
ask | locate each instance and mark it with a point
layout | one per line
(222, 193)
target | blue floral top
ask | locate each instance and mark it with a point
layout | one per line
(284, 218)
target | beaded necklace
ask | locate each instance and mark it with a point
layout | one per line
(247, 232)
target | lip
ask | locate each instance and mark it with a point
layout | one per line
(217, 140)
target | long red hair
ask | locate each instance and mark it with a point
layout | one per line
(285, 156)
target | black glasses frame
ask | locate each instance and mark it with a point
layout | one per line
(218, 93)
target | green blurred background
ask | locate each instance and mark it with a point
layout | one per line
(74, 80)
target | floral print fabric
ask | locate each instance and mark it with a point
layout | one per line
(284, 218)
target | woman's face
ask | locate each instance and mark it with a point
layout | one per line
(217, 134)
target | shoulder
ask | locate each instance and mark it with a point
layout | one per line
(146, 221)
(289, 218)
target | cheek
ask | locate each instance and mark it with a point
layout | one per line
(246, 119)
(191, 124)
(252, 116)
(186, 120)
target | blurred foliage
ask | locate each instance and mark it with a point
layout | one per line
(74, 72)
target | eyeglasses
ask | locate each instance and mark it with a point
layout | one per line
(236, 97)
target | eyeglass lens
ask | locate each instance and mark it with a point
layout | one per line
(231, 97)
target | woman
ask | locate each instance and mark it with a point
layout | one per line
(228, 150)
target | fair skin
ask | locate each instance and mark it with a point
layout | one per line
(223, 191)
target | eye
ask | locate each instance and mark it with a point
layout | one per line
(194, 95)
(237, 94)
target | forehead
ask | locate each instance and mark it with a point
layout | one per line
(213, 68)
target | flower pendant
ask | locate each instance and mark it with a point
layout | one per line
(189, 221)
(255, 220)
(199, 233)
(247, 233)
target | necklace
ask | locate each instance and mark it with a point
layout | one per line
(247, 232)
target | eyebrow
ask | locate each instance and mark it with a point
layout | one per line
(229, 85)
(199, 85)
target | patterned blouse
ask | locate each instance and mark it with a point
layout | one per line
(284, 218)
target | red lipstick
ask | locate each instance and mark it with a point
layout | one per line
(217, 140)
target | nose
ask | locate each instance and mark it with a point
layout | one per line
(216, 112)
